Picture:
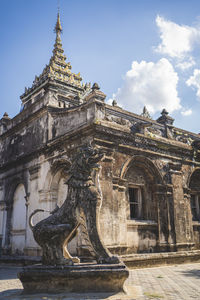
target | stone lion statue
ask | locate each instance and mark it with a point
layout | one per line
(81, 207)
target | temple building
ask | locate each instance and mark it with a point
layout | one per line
(150, 173)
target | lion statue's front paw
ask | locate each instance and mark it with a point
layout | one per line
(64, 261)
(109, 260)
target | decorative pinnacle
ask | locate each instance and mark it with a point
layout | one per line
(164, 112)
(145, 113)
(165, 118)
(58, 27)
(114, 103)
(5, 115)
(95, 86)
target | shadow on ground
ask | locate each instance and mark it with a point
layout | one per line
(11, 294)
(9, 272)
(17, 294)
(191, 273)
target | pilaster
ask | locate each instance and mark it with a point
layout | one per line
(163, 221)
(182, 217)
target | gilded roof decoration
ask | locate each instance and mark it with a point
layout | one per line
(57, 68)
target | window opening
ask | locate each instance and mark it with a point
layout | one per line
(195, 207)
(135, 203)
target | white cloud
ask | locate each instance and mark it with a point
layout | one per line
(176, 40)
(109, 101)
(184, 65)
(187, 112)
(149, 84)
(194, 81)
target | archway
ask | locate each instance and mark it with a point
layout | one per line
(18, 222)
(58, 194)
(59, 188)
(143, 181)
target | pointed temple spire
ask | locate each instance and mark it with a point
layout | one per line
(58, 27)
(57, 69)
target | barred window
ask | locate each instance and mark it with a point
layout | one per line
(135, 202)
(195, 207)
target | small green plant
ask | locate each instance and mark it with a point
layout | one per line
(152, 295)
(159, 276)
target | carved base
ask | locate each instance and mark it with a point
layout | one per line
(77, 278)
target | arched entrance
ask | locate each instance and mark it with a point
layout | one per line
(18, 221)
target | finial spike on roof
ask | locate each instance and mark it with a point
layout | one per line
(58, 2)
(58, 27)
(57, 67)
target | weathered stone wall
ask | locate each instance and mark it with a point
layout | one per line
(36, 153)
(23, 141)
(174, 163)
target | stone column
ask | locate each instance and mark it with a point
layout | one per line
(109, 209)
(188, 216)
(119, 198)
(3, 215)
(182, 218)
(171, 226)
(27, 223)
(7, 243)
(160, 192)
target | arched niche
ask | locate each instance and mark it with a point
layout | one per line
(194, 185)
(143, 186)
(58, 194)
(142, 179)
(55, 188)
(18, 221)
(58, 187)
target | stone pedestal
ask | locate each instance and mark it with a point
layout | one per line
(77, 278)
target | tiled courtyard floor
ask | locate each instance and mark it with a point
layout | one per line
(180, 282)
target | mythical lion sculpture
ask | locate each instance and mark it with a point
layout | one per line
(81, 207)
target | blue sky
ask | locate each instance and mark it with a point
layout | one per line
(143, 52)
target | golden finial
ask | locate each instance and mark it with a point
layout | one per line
(58, 27)
(57, 68)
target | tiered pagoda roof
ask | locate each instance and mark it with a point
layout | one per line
(58, 68)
